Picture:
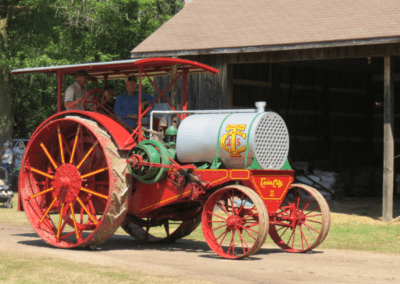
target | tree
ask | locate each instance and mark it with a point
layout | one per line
(59, 32)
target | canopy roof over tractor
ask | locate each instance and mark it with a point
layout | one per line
(112, 70)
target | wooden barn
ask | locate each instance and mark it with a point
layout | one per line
(329, 68)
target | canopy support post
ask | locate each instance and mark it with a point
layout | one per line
(59, 91)
(184, 91)
(139, 120)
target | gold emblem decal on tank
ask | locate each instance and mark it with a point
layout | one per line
(230, 140)
(276, 183)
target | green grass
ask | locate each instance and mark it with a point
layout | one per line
(25, 267)
(360, 236)
(12, 216)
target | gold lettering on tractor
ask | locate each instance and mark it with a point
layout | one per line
(230, 139)
(276, 183)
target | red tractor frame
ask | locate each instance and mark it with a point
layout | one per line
(78, 181)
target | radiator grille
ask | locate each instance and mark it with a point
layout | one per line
(272, 142)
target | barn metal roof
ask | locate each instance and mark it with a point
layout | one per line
(236, 26)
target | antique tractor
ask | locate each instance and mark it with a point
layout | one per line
(84, 174)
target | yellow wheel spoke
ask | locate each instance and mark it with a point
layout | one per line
(86, 210)
(94, 193)
(59, 221)
(95, 172)
(75, 142)
(48, 209)
(61, 146)
(73, 218)
(40, 193)
(48, 155)
(87, 155)
(39, 172)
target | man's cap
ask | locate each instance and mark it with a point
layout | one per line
(83, 73)
(5, 144)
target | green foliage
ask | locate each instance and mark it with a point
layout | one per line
(60, 32)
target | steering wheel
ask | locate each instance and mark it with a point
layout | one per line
(94, 100)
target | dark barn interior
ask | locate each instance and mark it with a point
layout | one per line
(333, 110)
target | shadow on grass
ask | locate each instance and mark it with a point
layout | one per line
(369, 206)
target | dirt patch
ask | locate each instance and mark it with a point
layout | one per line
(194, 260)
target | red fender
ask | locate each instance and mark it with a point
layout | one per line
(120, 135)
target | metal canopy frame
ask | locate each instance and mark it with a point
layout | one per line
(113, 70)
(120, 69)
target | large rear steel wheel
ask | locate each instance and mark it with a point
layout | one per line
(235, 222)
(302, 222)
(72, 183)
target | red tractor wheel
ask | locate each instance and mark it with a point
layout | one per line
(302, 222)
(72, 183)
(235, 222)
(94, 100)
(159, 230)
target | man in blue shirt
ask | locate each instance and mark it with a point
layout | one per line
(127, 104)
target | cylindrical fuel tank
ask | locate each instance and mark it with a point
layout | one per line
(232, 138)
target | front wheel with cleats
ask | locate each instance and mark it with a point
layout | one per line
(302, 221)
(235, 222)
(72, 184)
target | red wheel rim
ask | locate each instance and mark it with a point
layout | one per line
(66, 185)
(302, 222)
(232, 227)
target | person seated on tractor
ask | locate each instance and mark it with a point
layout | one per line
(109, 93)
(127, 104)
(108, 100)
(75, 93)
(7, 156)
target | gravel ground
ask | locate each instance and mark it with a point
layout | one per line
(194, 260)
